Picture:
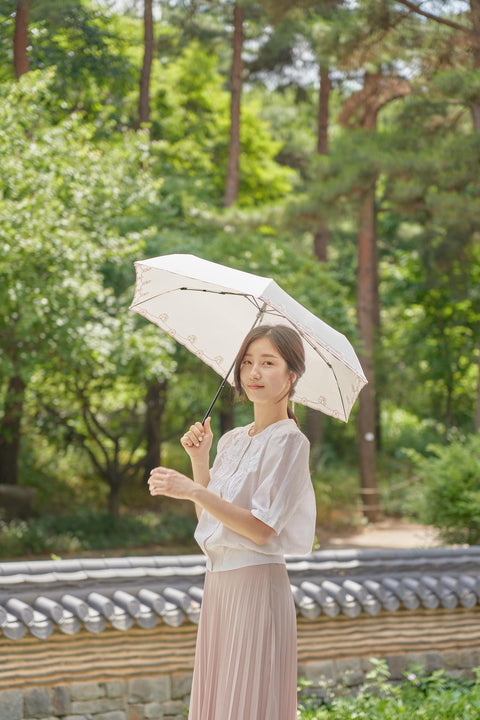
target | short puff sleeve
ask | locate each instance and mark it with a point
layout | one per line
(284, 481)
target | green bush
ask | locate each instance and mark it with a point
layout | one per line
(419, 697)
(449, 490)
(89, 531)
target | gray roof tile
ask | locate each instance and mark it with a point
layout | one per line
(68, 595)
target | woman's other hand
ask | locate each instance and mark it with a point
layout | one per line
(197, 441)
(169, 482)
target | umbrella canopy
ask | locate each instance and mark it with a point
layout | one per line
(210, 308)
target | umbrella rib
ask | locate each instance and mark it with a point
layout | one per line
(251, 298)
(329, 365)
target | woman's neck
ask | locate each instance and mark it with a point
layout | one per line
(265, 416)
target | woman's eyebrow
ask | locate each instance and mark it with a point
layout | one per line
(267, 355)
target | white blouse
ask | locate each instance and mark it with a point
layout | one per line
(268, 474)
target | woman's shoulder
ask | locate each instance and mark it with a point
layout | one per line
(285, 431)
(231, 435)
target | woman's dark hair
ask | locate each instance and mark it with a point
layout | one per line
(288, 343)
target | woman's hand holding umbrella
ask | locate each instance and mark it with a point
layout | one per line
(197, 441)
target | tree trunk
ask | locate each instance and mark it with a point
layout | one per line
(477, 412)
(323, 113)
(10, 431)
(366, 309)
(156, 398)
(475, 17)
(20, 39)
(114, 499)
(236, 81)
(361, 110)
(475, 14)
(314, 429)
(321, 235)
(144, 98)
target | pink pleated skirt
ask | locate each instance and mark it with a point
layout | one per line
(246, 655)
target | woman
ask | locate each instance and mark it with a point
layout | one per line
(255, 504)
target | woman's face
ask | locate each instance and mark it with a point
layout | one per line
(264, 373)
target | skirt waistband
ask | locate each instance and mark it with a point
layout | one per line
(219, 559)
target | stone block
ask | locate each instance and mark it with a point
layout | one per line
(181, 685)
(95, 707)
(398, 666)
(136, 712)
(153, 711)
(61, 700)
(450, 660)
(475, 658)
(173, 707)
(115, 688)
(417, 659)
(37, 702)
(11, 705)
(466, 659)
(87, 690)
(349, 671)
(141, 690)
(113, 715)
(318, 671)
(433, 661)
(163, 688)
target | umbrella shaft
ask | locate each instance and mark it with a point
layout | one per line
(222, 385)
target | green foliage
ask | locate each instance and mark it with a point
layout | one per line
(92, 531)
(191, 118)
(420, 696)
(81, 41)
(72, 217)
(449, 489)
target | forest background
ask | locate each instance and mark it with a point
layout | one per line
(333, 146)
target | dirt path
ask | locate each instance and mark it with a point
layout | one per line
(389, 534)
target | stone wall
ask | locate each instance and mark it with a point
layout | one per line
(166, 697)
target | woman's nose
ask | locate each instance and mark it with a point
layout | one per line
(254, 371)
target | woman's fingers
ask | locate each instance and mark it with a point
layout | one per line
(166, 481)
(194, 436)
(206, 428)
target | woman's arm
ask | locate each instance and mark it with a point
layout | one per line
(169, 482)
(232, 516)
(201, 476)
(197, 442)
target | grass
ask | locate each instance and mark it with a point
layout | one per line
(90, 531)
